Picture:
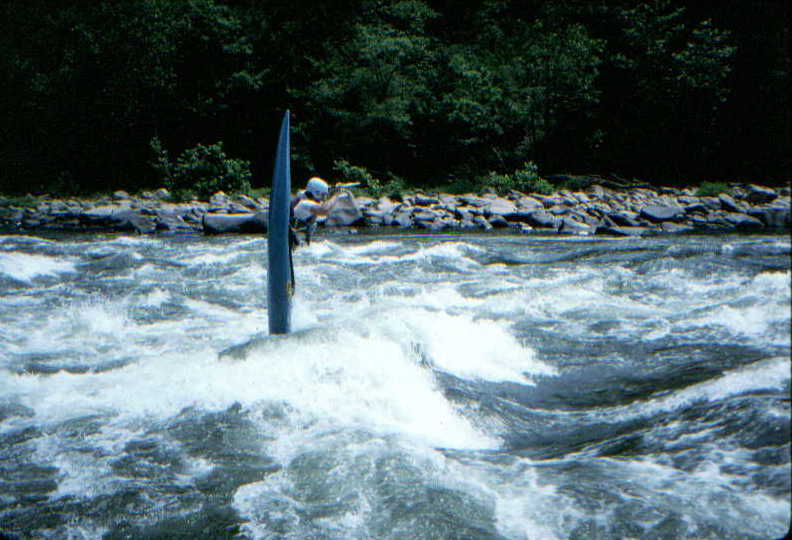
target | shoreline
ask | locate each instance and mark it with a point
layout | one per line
(596, 210)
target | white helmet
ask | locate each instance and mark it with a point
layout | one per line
(318, 188)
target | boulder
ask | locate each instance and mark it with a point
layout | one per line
(117, 219)
(235, 223)
(473, 200)
(774, 217)
(246, 202)
(570, 226)
(498, 221)
(610, 230)
(386, 205)
(344, 212)
(729, 204)
(500, 207)
(463, 213)
(543, 220)
(676, 228)
(467, 224)
(482, 223)
(425, 215)
(744, 222)
(657, 213)
(403, 220)
(171, 222)
(760, 194)
(420, 199)
(529, 203)
(695, 208)
(711, 203)
(219, 199)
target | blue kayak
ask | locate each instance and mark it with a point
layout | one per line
(280, 280)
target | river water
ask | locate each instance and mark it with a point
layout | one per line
(477, 386)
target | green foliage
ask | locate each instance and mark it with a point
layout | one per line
(201, 171)
(355, 173)
(393, 187)
(711, 189)
(576, 183)
(416, 89)
(525, 179)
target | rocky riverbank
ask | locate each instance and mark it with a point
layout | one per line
(600, 209)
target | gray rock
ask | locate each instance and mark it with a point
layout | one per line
(729, 204)
(529, 203)
(712, 203)
(676, 228)
(610, 230)
(59, 206)
(235, 223)
(760, 194)
(421, 199)
(696, 208)
(219, 199)
(658, 213)
(498, 221)
(570, 226)
(386, 205)
(344, 212)
(425, 215)
(774, 217)
(162, 194)
(117, 219)
(624, 218)
(403, 220)
(463, 213)
(500, 207)
(583, 216)
(548, 201)
(171, 222)
(482, 223)
(522, 215)
(473, 200)
(120, 195)
(543, 220)
(246, 202)
(744, 222)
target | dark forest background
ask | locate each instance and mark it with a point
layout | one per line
(425, 92)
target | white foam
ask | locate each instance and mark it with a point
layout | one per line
(155, 298)
(773, 284)
(349, 379)
(751, 321)
(770, 374)
(472, 349)
(26, 266)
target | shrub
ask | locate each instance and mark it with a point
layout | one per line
(499, 182)
(201, 171)
(576, 183)
(711, 189)
(356, 173)
(525, 179)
